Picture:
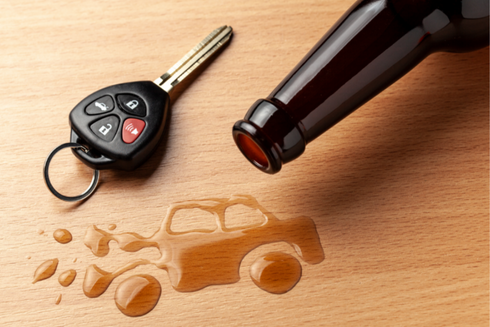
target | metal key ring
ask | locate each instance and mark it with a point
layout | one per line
(88, 191)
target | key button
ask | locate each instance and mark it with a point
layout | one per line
(100, 106)
(132, 129)
(132, 104)
(105, 128)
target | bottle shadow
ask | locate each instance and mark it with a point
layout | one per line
(419, 123)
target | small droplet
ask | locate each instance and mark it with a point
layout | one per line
(112, 226)
(276, 272)
(45, 270)
(96, 281)
(137, 295)
(28, 257)
(40, 231)
(58, 300)
(67, 277)
(75, 260)
(62, 236)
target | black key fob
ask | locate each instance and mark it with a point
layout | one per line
(120, 125)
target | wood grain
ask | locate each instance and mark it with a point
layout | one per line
(399, 190)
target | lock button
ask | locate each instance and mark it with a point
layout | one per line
(131, 104)
(105, 128)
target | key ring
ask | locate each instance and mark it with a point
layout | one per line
(88, 191)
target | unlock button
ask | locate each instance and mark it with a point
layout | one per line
(105, 128)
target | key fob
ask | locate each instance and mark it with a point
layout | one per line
(120, 125)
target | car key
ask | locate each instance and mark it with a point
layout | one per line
(118, 127)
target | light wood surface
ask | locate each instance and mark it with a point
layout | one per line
(399, 190)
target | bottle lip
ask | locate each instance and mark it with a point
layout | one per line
(254, 134)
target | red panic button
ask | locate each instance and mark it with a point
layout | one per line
(132, 129)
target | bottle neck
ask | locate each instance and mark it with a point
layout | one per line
(372, 46)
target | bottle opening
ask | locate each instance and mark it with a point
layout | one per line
(252, 151)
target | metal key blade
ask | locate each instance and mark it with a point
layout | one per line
(194, 58)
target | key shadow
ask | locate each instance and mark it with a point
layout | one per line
(421, 123)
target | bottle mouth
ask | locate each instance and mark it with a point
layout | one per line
(268, 137)
(252, 151)
(258, 150)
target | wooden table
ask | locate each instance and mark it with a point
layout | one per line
(399, 190)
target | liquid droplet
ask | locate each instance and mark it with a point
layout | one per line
(58, 300)
(74, 260)
(137, 295)
(28, 257)
(112, 226)
(40, 231)
(45, 270)
(62, 236)
(67, 277)
(276, 272)
(96, 281)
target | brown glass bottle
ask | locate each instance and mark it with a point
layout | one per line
(374, 44)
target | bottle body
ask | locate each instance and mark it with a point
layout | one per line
(369, 48)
